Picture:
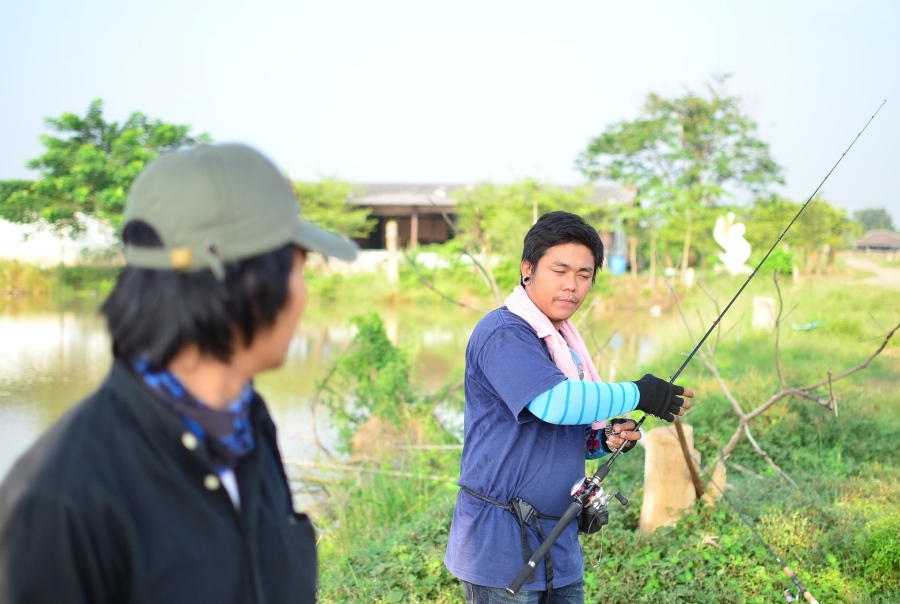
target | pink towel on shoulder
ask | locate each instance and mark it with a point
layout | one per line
(558, 342)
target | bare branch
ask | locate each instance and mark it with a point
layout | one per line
(778, 331)
(735, 405)
(765, 456)
(586, 312)
(861, 366)
(741, 468)
(772, 400)
(715, 345)
(880, 326)
(734, 440)
(810, 397)
(430, 286)
(314, 401)
(486, 273)
(831, 395)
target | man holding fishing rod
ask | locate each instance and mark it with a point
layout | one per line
(535, 410)
(166, 484)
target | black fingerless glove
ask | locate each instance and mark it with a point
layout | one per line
(659, 397)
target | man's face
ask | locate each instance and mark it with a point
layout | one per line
(560, 281)
(270, 346)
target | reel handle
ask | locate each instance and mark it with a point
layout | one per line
(573, 510)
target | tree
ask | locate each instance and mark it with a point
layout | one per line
(88, 169)
(819, 225)
(492, 221)
(684, 153)
(874, 218)
(9, 211)
(327, 203)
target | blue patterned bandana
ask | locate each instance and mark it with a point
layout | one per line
(227, 433)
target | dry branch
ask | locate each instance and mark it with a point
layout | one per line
(804, 392)
(431, 286)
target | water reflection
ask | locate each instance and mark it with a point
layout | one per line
(51, 357)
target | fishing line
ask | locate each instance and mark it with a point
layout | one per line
(777, 241)
(755, 270)
(802, 589)
(784, 567)
(590, 492)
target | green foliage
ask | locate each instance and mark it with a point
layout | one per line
(819, 224)
(88, 169)
(372, 379)
(874, 218)
(684, 151)
(684, 154)
(385, 532)
(880, 545)
(387, 543)
(9, 211)
(780, 261)
(325, 203)
(494, 218)
(20, 279)
(492, 221)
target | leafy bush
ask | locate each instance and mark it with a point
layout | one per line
(372, 378)
(880, 546)
(780, 261)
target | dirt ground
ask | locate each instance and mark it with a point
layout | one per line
(884, 276)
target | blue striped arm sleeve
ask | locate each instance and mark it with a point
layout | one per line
(575, 402)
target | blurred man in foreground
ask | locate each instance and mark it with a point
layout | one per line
(166, 484)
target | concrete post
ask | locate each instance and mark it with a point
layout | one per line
(668, 489)
(393, 263)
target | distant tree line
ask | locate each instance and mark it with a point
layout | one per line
(688, 157)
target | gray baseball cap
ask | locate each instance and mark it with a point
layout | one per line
(215, 204)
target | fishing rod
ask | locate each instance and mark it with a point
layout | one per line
(589, 492)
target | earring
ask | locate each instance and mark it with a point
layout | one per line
(526, 280)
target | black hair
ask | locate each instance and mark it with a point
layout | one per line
(152, 314)
(559, 228)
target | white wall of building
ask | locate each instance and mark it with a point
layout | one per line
(33, 245)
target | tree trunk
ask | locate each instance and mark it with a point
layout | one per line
(632, 255)
(685, 253)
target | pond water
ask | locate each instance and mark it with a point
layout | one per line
(52, 355)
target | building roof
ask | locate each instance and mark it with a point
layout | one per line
(881, 239)
(386, 194)
(441, 195)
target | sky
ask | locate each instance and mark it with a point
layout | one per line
(463, 91)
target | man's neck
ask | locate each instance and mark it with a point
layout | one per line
(210, 380)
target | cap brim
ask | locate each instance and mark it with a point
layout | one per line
(315, 239)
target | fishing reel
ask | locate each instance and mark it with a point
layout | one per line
(595, 513)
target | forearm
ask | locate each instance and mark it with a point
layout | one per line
(575, 402)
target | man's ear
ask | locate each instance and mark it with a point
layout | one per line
(526, 268)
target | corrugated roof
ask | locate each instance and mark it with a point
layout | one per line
(880, 238)
(388, 194)
(441, 195)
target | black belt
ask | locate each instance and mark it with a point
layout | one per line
(526, 516)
